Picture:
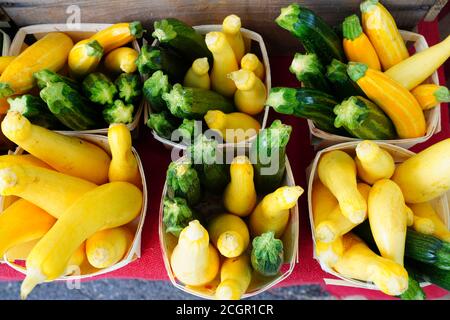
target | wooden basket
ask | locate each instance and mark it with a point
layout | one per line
(258, 284)
(441, 205)
(84, 31)
(321, 139)
(262, 118)
(135, 250)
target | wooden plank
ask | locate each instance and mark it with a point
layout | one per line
(257, 15)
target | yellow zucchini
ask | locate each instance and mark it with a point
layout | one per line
(251, 62)
(233, 127)
(231, 27)
(4, 62)
(380, 27)
(387, 217)
(84, 57)
(425, 175)
(66, 154)
(396, 101)
(273, 212)
(373, 163)
(229, 234)
(337, 171)
(425, 211)
(235, 277)
(118, 35)
(239, 196)
(121, 60)
(197, 76)
(250, 96)
(107, 206)
(430, 95)
(50, 52)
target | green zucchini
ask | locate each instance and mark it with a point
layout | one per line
(430, 273)
(306, 103)
(99, 88)
(153, 89)
(194, 103)
(343, 86)
(162, 124)
(35, 110)
(268, 153)
(314, 33)
(129, 87)
(118, 112)
(70, 107)
(152, 59)
(363, 119)
(188, 131)
(414, 291)
(183, 181)
(308, 70)
(45, 77)
(182, 38)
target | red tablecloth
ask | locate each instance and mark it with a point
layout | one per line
(156, 159)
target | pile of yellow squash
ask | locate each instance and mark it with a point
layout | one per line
(68, 197)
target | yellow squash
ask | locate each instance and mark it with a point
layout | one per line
(251, 62)
(124, 166)
(231, 27)
(430, 95)
(361, 263)
(417, 68)
(357, 46)
(4, 62)
(107, 206)
(118, 35)
(396, 101)
(22, 222)
(233, 127)
(197, 76)
(27, 159)
(250, 96)
(52, 191)
(425, 175)
(409, 216)
(387, 217)
(425, 211)
(121, 60)
(337, 171)
(329, 253)
(229, 234)
(194, 260)
(273, 212)
(424, 225)
(373, 163)
(50, 52)
(380, 27)
(66, 154)
(84, 57)
(224, 63)
(107, 247)
(235, 277)
(322, 201)
(239, 196)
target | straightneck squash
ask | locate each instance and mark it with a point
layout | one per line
(52, 191)
(235, 277)
(224, 63)
(372, 162)
(194, 260)
(252, 63)
(233, 127)
(359, 262)
(66, 154)
(22, 222)
(118, 34)
(122, 60)
(425, 210)
(388, 220)
(231, 27)
(124, 166)
(337, 171)
(240, 195)
(84, 57)
(273, 212)
(27, 159)
(229, 234)
(251, 94)
(107, 206)
(425, 175)
(329, 253)
(197, 76)
(430, 95)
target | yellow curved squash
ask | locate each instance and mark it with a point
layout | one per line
(231, 27)
(329, 253)
(4, 62)
(229, 234)
(27, 159)
(425, 211)
(337, 171)
(194, 260)
(409, 216)
(121, 60)
(251, 62)
(425, 175)
(50, 52)
(123, 166)
(322, 201)
(118, 35)
(107, 206)
(430, 95)
(250, 96)
(235, 277)
(233, 127)
(107, 247)
(239, 196)
(424, 225)
(197, 76)
(373, 163)
(84, 57)
(66, 154)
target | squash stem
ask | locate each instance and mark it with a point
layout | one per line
(351, 27)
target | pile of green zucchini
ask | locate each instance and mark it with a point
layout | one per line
(65, 104)
(328, 97)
